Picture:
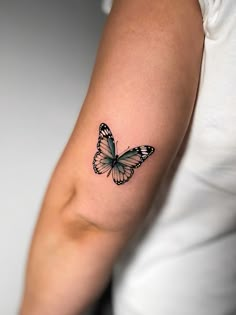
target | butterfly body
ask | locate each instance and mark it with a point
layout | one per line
(121, 166)
(115, 160)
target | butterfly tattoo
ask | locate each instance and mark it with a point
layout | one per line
(121, 166)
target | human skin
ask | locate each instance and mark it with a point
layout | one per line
(144, 86)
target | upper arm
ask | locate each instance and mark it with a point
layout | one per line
(143, 87)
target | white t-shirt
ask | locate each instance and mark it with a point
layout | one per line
(183, 262)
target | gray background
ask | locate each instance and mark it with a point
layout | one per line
(47, 51)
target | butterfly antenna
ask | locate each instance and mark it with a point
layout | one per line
(124, 151)
(116, 148)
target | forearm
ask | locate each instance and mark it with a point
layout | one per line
(68, 267)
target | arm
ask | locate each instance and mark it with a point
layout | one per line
(143, 86)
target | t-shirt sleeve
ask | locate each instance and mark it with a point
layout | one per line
(106, 6)
(217, 17)
(204, 7)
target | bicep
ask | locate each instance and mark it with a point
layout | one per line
(143, 87)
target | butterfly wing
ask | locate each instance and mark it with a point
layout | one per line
(135, 157)
(123, 170)
(121, 173)
(102, 161)
(106, 143)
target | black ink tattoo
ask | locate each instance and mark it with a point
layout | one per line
(121, 166)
